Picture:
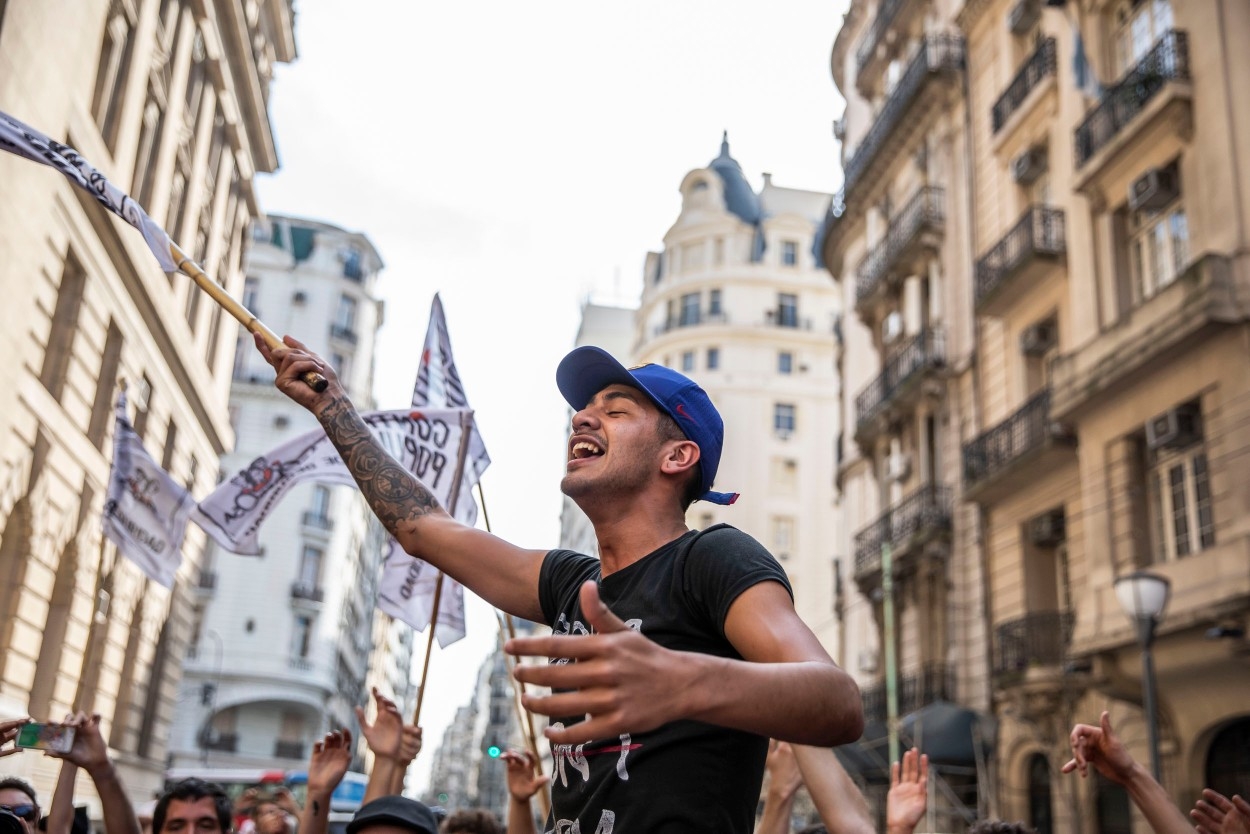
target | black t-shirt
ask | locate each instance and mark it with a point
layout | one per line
(687, 776)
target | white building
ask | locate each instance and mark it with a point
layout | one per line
(284, 645)
(738, 300)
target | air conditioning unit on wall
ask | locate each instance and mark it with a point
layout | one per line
(1047, 530)
(1154, 189)
(1030, 164)
(1037, 339)
(1175, 428)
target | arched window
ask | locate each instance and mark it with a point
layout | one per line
(1112, 807)
(1228, 759)
(1041, 815)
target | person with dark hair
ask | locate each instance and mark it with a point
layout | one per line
(471, 821)
(385, 815)
(676, 653)
(18, 800)
(192, 806)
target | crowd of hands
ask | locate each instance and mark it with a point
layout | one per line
(841, 805)
(843, 808)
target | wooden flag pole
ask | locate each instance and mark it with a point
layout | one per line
(466, 420)
(244, 316)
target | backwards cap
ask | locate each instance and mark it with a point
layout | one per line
(588, 370)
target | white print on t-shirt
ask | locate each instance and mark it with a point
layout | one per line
(607, 821)
(574, 756)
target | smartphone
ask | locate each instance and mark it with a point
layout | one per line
(58, 738)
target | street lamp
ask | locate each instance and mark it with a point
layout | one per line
(1144, 596)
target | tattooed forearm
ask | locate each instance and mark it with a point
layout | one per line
(396, 496)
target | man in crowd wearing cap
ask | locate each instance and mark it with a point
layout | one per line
(676, 654)
(393, 815)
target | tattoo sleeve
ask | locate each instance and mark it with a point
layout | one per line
(394, 494)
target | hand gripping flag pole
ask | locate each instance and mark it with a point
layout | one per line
(19, 138)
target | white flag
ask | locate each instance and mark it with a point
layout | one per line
(145, 511)
(23, 140)
(426, 443)
(408, 585)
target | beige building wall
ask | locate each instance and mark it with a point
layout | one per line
(1096, 380)
(170, 104)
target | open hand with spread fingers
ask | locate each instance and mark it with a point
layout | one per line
(1217, 814)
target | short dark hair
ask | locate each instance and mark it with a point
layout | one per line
(471, 821)
(1000, 827)
(668, 430)
(815, 828)
(190, 790)
(15, 784)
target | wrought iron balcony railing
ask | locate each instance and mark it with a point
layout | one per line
(924, 351)
(344, 334)
(221, 742)
(886, 13)
(207, 580)
(690, 319)
(1040, 65)
(317, 520)
(927, 509)
(1000, 447)
(1168, 60)
(933, 682)
(1038, 639)
(925, 211)
(1040, 232)
(938, 54)
(288, 749)
(302, 590)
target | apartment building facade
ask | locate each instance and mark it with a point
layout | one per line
(169, 101)
(1099, 297)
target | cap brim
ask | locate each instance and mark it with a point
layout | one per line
(588, 370)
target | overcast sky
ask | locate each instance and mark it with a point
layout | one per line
(518, 157)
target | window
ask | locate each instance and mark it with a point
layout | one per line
(785, 475)
(713, 358)
(60, 346)
(783, 536)
(106, 380)
(113, 67)
(1178, 489)
(149, 146)
(302, 638)
(787, 310)
(142, 398)
(783, 419)
(687, 361)
(1139, 26)
(321, 502)
(251, 289)
(785, 362)
(310, 567)
(689, 309)
(338, 361)
(789, 253)
(1158, 248)
(714, 303)
(171, 445)
(1041, 815)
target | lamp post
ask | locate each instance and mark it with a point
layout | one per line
(1144, 596)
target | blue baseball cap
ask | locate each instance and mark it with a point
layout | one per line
(588, 370)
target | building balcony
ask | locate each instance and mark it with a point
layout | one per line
(937, 64)
(300, 664)
(1205, 297)
(307, 593)
(1032, 645)
(317, 522)
(206, 583)
(916, 689)
(1142, 97)
(343, 334)
(1040, 66)
(694, 319)
(870, 58)
(907, 527)
(220, 742)
(288, 749)
(1023, 255)
(1018, 449)
(900, 384)
(914, 233)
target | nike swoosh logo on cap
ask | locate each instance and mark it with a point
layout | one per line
(681, 410)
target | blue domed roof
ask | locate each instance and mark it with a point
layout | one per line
(740, 198)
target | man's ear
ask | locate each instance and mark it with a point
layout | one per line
(681, 456)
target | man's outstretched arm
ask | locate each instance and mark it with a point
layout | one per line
(786, 687)
(501, 573)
